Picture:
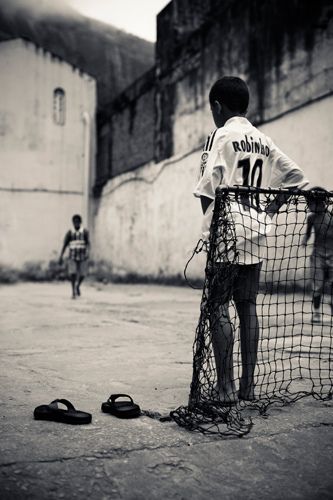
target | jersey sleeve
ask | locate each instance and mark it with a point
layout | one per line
(286, 173)
(211, 173)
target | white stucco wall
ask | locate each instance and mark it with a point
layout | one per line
(147, 221)
(42, 164)
(306, 136)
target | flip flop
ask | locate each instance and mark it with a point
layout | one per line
(121, 409)
(52, 413)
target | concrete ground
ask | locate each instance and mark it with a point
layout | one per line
(137, 340)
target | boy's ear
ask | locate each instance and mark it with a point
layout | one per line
(217, 106)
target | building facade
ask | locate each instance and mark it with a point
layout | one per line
(47, 150)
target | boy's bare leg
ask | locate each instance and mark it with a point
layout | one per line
(223, 341)
(73, 281)
(318, 290)
(79, 281)
(316, 316)
(81, 272)
(249, 336)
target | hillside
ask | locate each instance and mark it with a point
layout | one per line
(115, 58)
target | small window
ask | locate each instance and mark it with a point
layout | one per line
(59, 106)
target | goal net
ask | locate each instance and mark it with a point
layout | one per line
(264, 334)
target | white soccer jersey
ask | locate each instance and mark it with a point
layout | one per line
(238, 154)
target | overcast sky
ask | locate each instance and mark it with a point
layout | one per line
(134, 16)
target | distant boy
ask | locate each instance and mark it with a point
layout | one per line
(238, 154)
(78, 242)
(320, 221)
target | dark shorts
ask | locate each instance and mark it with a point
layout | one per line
(77, 267)
(235, 281)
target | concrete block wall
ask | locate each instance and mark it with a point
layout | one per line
(126, 130)
(132, 126)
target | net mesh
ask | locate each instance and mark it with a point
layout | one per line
(264, 331)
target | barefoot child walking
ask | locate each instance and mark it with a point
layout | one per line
(77, 239)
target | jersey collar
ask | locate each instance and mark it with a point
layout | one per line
(236, 119)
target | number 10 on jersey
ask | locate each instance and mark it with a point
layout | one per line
(251, 176)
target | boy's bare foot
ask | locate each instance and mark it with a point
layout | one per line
(246, 397)
(246, 392)
(224, 397)
(227, 396)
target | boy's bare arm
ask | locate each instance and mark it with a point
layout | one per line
(65, 245)
(274, 206)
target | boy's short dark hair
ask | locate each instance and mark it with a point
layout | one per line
(231, 91)
(77, 217)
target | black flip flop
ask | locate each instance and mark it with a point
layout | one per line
(52, 413)
(121, 409)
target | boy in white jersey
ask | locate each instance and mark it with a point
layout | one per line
(320, 221)
(78, 243)
(238, 154)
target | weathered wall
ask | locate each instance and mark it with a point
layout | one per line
(283, 50)
(33, 224)
(132, 126)
(306, 136)
(147, 221)
(43, 178)
(126, 130)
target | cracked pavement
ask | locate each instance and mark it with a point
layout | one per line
(135, 339)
